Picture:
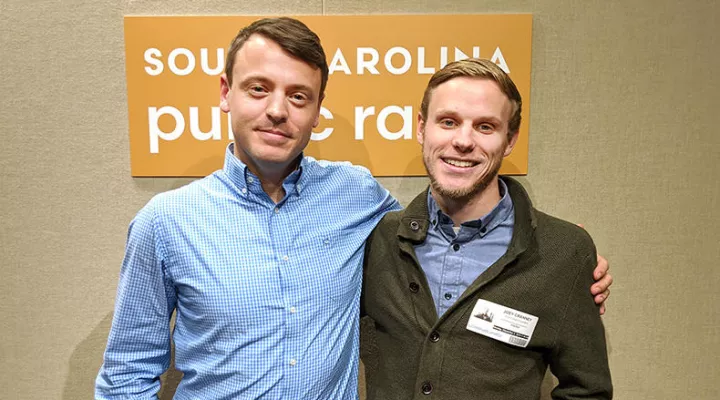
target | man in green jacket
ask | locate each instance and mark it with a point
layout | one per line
(473, 292)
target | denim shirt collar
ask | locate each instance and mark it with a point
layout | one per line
(442, 223)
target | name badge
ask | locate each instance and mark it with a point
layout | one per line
(502, 323)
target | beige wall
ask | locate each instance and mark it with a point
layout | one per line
(624, 138)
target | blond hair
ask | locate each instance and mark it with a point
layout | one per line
(482, 69)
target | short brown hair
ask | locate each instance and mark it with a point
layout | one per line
(477, 68)
(292, 35)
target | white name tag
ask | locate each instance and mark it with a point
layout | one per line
(502, 323)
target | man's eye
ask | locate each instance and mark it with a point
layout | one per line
(486, 127)
(447, 123)
(257, 89)
(299, 97)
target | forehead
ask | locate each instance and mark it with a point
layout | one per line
(470, 97)
(261, 55)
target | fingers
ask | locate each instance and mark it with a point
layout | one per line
(602, 285)
(600, 299)
(602, 267)
(601, 275)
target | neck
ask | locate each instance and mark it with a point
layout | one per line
(274, 189)
(470, 208)
(271, 175)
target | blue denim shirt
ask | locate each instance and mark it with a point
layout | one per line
(452, 261)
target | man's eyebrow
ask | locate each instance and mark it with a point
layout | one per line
(254, 77)
(446, 112)
(491, 119)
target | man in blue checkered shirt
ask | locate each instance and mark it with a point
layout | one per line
(261, 260)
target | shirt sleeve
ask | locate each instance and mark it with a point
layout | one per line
(387, 203)
(138, 348)
(383, 201)
(579, 359)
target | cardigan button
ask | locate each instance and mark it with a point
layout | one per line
(414, 225)
(434, 336)
(414, 287)
(426, 388)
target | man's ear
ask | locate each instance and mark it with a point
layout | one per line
(224, 91)
(420, 128)
(511, 143)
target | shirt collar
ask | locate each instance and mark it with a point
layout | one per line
(239, 174)
(441, 222)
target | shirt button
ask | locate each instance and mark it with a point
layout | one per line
(448, 296)
(244, 190)
(483, 230)
(277, 210)
(414, 287)
(285, 258)
(426, 388)
(292, 310)
(456, 247)
(434, 336)
(250, 179)
(293, 362)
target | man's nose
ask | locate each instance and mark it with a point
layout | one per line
(277, 110)
(463, 138)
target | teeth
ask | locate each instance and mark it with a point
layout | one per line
(458, 163)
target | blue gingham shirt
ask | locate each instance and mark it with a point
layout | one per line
(452, 261)
(267, 295)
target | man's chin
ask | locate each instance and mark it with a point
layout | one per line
(453, 192)
(460, 192)
(279, 158)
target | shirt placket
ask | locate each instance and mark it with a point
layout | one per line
(452, 266)
(282, 231)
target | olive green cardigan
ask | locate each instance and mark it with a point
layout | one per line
(546, 272)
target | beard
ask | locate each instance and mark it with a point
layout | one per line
(465, 192)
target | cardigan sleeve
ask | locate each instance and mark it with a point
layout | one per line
(579, 358)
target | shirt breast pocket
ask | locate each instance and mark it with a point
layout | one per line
(338, 262)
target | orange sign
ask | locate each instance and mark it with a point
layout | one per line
(379, 67)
